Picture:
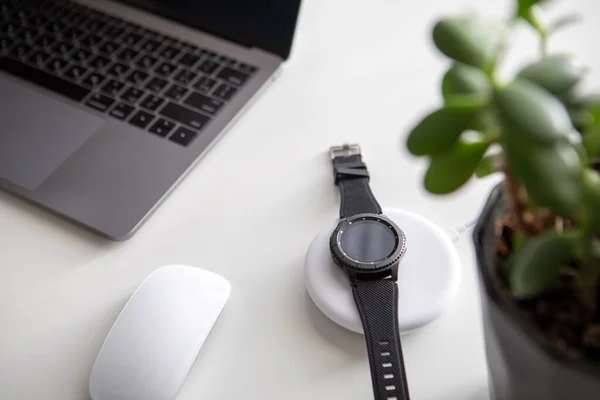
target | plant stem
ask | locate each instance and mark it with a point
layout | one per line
(516, 208)
(544, 43)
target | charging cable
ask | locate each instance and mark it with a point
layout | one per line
(456, 231)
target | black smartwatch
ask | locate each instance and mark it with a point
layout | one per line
(368, 246)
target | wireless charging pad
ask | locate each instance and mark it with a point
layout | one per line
(428, 276)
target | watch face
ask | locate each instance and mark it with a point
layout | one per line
(368, 241)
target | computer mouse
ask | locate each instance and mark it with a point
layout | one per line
(155, 340)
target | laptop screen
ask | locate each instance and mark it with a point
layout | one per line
(266, 24)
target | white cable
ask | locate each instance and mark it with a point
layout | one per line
(456, 231)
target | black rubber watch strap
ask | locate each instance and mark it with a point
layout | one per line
(352, 177)
(377, 303)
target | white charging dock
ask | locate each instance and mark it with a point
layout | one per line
(428, 276)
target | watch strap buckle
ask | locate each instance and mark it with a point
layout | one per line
(345, 150)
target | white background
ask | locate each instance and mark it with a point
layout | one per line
(362, 71)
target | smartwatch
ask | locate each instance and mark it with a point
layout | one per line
(368, 246)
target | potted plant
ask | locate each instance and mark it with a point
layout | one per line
(537, 239)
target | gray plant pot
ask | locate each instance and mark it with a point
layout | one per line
(522, 363)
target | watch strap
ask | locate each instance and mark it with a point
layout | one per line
(377, 302)
(352, 177)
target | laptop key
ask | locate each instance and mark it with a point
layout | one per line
(184, 115)
(132, 95)
(208, 66)
(109, 48)
(208, 53)
(90, 41)
(150, 46)
(203, 103)
(55, 27)
(165, 69)
(224, 91)
(45, 80)
(45, 41)
(146, 62)
(225, 60)
(169, 53)
(131, 39)
(121, 111)
(37, 20)
(141, 119)
(39, 57)
(20, 50)
(156, 85)
(80, 55)
(75, 72)
(113, 87)
(72, 34)
(232, 76)
(99, 102)
(118, 70)
(176, 92)
(99, 62)
(247, 69)
(137, 77)
(113, 32)
(127, 55)
(29, 35)
(62, 48)
(205, 84)
(5, 43)
(183, 136)
(56, 64)
(152, 102)
(189, 60)
(162, 127)
(95, 25)
(185, 77)
(94, 79)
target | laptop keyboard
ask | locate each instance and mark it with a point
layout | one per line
(165, 86)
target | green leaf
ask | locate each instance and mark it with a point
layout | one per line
(440, 129)
(462, 79)
(534, 15)
(591, 187)
(469, 40)
(527, 4)
(538, 263)
(530, 114)
(488, 165)
(550, 174)
(581, 118)
(591, 142)
(557, 74)
(452, 169)
(576, 140)
(592, 104)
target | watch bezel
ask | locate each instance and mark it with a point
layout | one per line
(345, 261)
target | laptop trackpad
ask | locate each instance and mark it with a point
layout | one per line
(38, 133)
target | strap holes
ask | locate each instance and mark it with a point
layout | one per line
(384, 343)
(389, 388)
(386, 365)
(385, 353)
(388, 376)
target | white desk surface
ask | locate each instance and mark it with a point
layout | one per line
(362, 71)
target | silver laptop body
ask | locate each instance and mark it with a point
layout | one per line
(104, 150)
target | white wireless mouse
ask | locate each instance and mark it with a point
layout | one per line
(156, 338)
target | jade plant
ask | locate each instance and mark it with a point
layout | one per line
(543, 135)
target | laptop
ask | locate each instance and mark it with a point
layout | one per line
(105, 105)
